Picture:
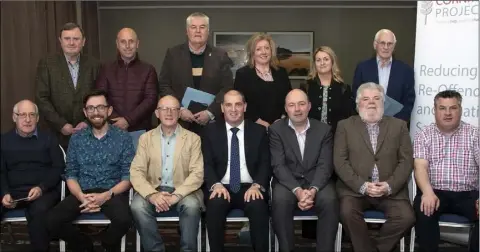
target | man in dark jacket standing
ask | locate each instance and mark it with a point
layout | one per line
(131, 85)
(61, 82)
(31, 164)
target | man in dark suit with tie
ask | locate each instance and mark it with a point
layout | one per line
(197, 65)
(237, 172)
(62, 81)
(396, 77)
(301, 150)
(373, 159)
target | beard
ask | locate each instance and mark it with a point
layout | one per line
(371, 115)
(97, 124)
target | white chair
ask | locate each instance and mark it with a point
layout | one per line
(237, 215)
(446, 220)
(89, 218)
(172, 216)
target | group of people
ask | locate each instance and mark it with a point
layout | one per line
(261, 146)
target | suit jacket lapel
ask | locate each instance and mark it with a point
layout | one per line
(374, 69)
(207, 62)
(65, 72)
(81, 73)
(391, 80)
(306, 152)
(363, 131)
(157, 152)
(246, 140)
(223, 140)
(187, 63)
(383, 132)
(179, 142)
(292, 139)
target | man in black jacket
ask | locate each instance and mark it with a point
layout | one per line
(237, 172)
(31, 165)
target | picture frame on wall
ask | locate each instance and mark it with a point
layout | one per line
(294, 50)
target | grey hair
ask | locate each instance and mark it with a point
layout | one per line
(198, 14)
(15, 107)
(385, 31)
(369, 85)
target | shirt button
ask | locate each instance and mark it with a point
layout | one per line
(329, 98)
(168, 155)
(319, 108)
(329, 109)
(320, 96)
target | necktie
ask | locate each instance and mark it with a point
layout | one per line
(234, 162)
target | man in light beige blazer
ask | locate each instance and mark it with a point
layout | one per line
(167, 172)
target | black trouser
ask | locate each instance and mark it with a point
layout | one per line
(36, 213)
(116, 209)
(427, 228)
(255, 210)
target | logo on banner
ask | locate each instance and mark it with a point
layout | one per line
(456, 11)
(426, 8)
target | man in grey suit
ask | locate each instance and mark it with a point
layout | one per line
(197, 65)
(62, 81)
(373, 159)
(301, 153)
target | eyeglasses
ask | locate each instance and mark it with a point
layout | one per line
(99, 108)
(169, 109)
(385, 44)
(24, 115)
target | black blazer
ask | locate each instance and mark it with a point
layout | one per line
(339, 101)
(215, 153)
(264, 100)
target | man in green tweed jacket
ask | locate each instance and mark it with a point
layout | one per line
(61, 82)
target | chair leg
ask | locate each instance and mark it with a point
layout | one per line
(199, 236)
(402, 244)
(412, 240)
(338, 241)
(270, 236)
(137, 243)
(123, 245)
(276, 244)
(207, 244)
(62, 245)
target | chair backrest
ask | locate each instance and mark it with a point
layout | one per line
(64, 155)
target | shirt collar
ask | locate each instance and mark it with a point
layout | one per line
(89, 131)
(460, 126)
(199, 51)
(68, 62)
(290, 124)
(241, 126)
(174, 132)
(35, 133)
(388, 63)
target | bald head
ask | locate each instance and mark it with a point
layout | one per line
(297, 95)
(127, 44)
(25, 105)
(168, 100)
(385, 32)
(233, 92)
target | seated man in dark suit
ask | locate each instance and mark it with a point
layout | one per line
(237, 172)
(373, 159)
(31, 165)
(393, 75)
(301, 150)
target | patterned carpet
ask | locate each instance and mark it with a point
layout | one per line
(170, 235)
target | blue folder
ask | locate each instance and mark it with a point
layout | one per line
(192, 94)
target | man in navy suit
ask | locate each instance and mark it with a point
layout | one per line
(395, 76)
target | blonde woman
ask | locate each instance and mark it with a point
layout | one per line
(262, 81)
(331, 98)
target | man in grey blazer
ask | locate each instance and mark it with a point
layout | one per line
(62, 81)
(301, 153)
(197, 65)
(373, 159)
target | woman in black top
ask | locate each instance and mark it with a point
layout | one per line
(264, 84)
(331, 98)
